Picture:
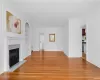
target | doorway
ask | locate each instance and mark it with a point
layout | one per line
(27, 38)
(41, 42)
(84, 42)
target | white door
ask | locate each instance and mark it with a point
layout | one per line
(41, 41)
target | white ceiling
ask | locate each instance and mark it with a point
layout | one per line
(54, 12)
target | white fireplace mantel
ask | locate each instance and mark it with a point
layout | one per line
(13, 39)
(11, 35)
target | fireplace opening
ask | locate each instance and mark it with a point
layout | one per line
(13, 56)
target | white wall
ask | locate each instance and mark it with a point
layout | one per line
(7, 6)
(48, 46)
(93, 37)
(75, 37)
(1, 42)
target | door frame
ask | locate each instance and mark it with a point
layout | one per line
(84, 54)
(40, 42)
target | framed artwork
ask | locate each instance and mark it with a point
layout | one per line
(51, 37)
(8, 15)
(13, 23)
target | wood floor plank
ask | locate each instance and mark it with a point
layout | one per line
(53, 66)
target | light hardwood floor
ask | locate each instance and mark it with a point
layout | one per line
(54, 66)
(84, 55)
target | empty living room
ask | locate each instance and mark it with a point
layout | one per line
(49, 40)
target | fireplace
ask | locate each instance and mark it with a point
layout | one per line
(13, 55)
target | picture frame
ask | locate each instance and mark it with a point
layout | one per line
(51, 37)
(13, 23)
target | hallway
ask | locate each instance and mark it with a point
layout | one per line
(54, 66)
